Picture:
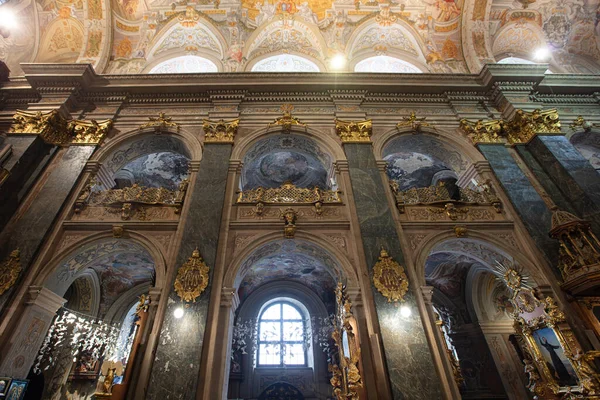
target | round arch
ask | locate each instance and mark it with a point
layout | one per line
(308, 59)
(175, 54)
(118, 310)
(159, 259)
(325, 141)
(424, 250)
(230, 278)
(458, 142)
(391, 57)
(189, 142)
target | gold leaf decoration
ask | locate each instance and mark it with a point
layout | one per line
(220, 131)
(354, 131)
(389, 278)
(192, 278)
(10, 270)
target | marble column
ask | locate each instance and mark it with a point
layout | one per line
(29, 333)
(410, 365)
(177, 359)
(578, 181)
(528, 203)
(35, 217)
(26, 158)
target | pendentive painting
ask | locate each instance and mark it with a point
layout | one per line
(554, 355)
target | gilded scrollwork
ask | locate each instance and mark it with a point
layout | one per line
(354, 131)
(482, 131)
(220, 131)
(288, 193)
(287, 121)
(414, 123)
(10, 269)
(192, 278)
(389, 278)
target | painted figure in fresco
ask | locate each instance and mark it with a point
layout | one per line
(559, 367)
(446, 10)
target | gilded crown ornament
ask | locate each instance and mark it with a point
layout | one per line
(10, 270)
(354, 131)
(160, 122)
(389, 278)
(220, 131)
(192, 278)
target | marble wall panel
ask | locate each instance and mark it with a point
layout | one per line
(529, 205)
(409, 362)
(574, 175)
(177, 361)
(28, 232)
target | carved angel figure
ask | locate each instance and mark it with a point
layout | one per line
(590, 379)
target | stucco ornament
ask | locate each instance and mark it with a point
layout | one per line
(192, 278)
(389, 278)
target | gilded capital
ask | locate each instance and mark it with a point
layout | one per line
(354, 131)
(220, 131)
(482, 131)
(54, 129)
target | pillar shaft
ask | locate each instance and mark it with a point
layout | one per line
(527, 201)
(35, 217)
(409, 362)
(177, 362)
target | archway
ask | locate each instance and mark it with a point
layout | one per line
(473, 309)
(94, 278)
(296, 275)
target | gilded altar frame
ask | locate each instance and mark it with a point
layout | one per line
(346, 372)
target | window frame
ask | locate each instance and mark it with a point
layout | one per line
(281, 342)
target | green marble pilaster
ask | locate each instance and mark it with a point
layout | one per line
(578, 181)
(176, 364)
(28, 230)
(409, 362)
(522, 194)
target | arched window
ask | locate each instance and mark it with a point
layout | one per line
(519, 60)
(185, 65)
(380, 64)
(285, 63)
(281, 335)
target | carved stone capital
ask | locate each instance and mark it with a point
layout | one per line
(44, 298)
(427, 293)
(229, 298)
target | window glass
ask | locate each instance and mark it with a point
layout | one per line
(381, 64)
(281, 329)
(285, 63)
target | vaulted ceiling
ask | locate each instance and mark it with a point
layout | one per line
(438, 36)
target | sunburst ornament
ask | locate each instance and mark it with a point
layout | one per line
(389, 278)
(192, 278)
(512, 275)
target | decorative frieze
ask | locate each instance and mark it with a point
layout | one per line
(354, 131)
(288, 193)
(52, 128)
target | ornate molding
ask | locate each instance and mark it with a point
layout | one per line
(220, 131)
(389, 278)
(52, 128)
(192, 278)
(10, 269)
(354, 131)
(482, 131)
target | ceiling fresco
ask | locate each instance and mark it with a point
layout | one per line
(275, 160)
(437, 36)
(164, 169)
(291, 260)
(120, 265)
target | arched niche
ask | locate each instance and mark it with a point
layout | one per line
(275, 159)
(420, 160)
(147, 159)
(588, 144)
(84, 294)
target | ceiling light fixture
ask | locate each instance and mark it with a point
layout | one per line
(338, 62)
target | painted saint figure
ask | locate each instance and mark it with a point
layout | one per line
(559, 367)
